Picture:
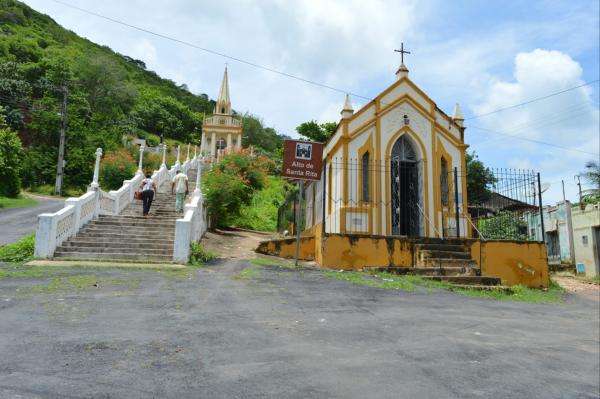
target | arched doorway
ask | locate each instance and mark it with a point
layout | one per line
(221, 144)
(405, 189)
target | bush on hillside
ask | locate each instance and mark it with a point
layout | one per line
(116, 166)
(10, 162)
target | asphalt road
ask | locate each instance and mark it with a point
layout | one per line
(280, 333)
(17, 222)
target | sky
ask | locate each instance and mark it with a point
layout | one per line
(483, 55)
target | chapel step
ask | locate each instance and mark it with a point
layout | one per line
(428, 271)
(120, 236)
(444, 254)
(467, 280)
(446, 262)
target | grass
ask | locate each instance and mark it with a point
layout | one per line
(248, 273)
(261, 213)
(22, 201)
(410, 283)
(272, 262)
(18, 252)
(200, 256)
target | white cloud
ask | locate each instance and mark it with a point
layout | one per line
(569, 119)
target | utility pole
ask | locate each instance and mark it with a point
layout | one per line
(61, 144)
(580, 195)
(563, 189)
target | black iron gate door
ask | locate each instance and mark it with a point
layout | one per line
(405, 198)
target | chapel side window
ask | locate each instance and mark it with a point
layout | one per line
(444, 182)
(366, 197)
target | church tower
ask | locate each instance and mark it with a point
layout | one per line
(221, 132)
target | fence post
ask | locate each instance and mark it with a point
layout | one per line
(456, 206)
(298, 218)
(323, 195)
(539, 190)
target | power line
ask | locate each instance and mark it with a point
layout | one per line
(312, 82)
(534, 99)
(241, 60)
(535, 141)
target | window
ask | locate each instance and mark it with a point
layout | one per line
(221, 144)
(365, 177)
(222, 110)
(444, 182)
(584, 240)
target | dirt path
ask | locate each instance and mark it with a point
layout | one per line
(234, 244)
(578, 287)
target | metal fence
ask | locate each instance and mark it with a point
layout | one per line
(401, 198)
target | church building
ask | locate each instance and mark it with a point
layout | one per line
(389, 169)
(221, 132)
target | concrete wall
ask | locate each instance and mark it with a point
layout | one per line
(586, 229)
(354, 252)
(286, 248)
(514, 262)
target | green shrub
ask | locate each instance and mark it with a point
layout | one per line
(18, 252)
(199, 256)
(10, 162)
(152, 141)
(116, 166)
(231, 183)
(261, 212)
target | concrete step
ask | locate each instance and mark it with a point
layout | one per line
(441, 247)
(445, 262)
(115, 256)
(466, 280)
(427, 253)
(125, 227)
(157, 218)
(141, 222)
(111, 235)
(111, 249)
(144, 242)
(430, 271)
(131, 247)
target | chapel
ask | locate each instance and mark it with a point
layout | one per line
(221, 132)
(395, 167)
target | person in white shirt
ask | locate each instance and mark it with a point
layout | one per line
(180, 186)
(148, 188)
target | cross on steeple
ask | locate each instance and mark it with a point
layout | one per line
(402, 52)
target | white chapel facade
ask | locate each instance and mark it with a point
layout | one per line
(221, 132)
(388, 168)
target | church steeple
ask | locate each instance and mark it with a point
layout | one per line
(223, 106)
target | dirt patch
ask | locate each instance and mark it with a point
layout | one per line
(236, 244)
(575, 286)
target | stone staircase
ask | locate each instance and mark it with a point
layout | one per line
(129, 236)
(446, 260)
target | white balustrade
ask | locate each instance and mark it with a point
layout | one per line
(54, 228)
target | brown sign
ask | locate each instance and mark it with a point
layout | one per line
(302, 160)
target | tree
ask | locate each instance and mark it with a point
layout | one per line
(10, 160)
(258, 136)
(317, 132)
(479, 178)
(592, 173)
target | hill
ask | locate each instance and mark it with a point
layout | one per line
(110, 96)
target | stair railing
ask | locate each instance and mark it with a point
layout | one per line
(54, 228)
(192, 226)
